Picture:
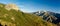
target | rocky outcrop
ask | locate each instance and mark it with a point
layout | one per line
(11, 6)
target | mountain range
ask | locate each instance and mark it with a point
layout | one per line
(49, 16)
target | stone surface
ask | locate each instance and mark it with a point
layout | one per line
(11, 6)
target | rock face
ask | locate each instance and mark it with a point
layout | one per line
(11, 6)
(49, 16)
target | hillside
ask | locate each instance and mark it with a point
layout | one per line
(17, 18)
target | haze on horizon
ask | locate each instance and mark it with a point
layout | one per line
(35, 5)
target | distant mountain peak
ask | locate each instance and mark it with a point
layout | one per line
(42, 12)
(49, 16)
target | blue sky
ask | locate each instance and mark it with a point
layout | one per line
(35, 5)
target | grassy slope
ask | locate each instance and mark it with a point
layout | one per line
(20, 19)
